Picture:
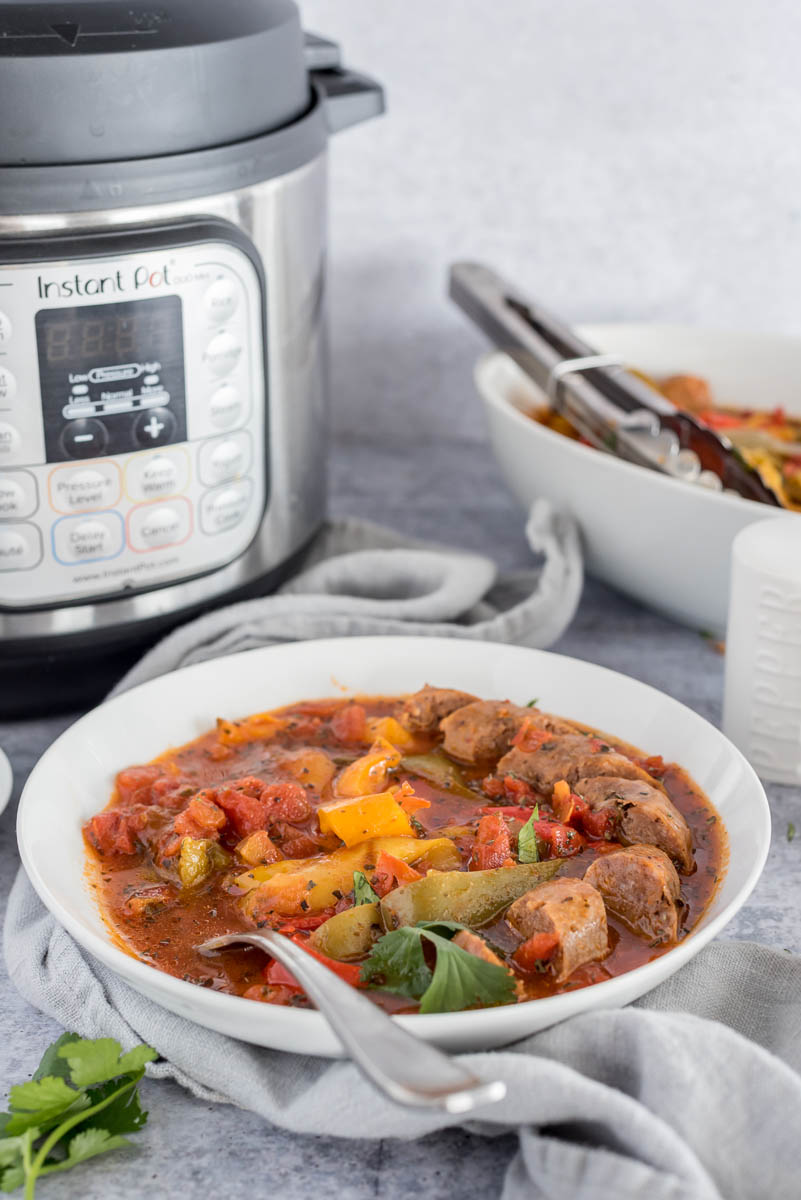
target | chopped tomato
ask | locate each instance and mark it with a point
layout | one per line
(115, 832)
(286, 802)
(349, 724)
(134, 785)
(529, 739)
(276, 974)
(312, 921)
(510, 788)
(563, 840)
(201, 818)
(391, 872)
(295, 843)
(493, 844)
(569, 809)
(246, 812)
(600, 824)
(408, 801)
(535, 950)
(303, 726)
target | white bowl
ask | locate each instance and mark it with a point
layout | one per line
(74, 778)
(664, 542)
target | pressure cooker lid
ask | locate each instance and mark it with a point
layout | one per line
(99, 80)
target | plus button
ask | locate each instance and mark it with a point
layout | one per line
(154, 428)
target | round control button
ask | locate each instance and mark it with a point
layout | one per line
(84, 438)
(221, 459)
(223, 509)
(152, 526)
(220, 300)
(84, 539)
(154, 427)
(18, 494)
(6, 327)
(225, 406)
(8, 385)
(10, 440)
(158, 475)
(20, 547)
(12, 498)
(90, 487)
(222, 354)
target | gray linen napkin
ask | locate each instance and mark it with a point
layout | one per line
(684, 1096)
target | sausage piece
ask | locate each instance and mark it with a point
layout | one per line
(640, 885)
(574, 911)
(423, 711)
(481, 730)
(644, 813)
(569, 757)
(484, 729)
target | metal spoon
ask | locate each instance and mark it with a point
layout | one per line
(407, 1070)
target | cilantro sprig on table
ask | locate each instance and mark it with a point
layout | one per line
(81, 1102)
(458, 980)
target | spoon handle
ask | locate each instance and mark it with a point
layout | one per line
(406, 1069)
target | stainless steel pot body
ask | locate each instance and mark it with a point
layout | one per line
(282, 223)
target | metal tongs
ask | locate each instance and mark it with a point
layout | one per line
(608, 405)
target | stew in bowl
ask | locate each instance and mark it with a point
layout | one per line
(439, 850)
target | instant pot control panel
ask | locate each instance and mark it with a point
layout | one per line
(132, 414)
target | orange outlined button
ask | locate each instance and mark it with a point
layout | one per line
(90, 487)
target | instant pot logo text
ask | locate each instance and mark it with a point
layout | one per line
(135, 279)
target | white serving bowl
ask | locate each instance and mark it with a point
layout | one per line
(664, 542)
(73, 779)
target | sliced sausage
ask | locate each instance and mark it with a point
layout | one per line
(423, 711)
(640, 885)
(644, 813)
(481, 730)
(569, 756)
(572, 910)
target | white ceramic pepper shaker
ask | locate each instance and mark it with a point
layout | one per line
(762, 698)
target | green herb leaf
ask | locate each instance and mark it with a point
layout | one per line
(527, 849)
(89, 1143)
(462, 979)
(41, 1094)
(58, 1126)
(459, 979)
(12, 1178)
(533, 703)
(363, 893)
(396, 964)
(790, 832)
(96, 1061)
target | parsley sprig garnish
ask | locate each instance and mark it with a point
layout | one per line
(459, 979)
(363, 891)
(81, 1102)
(527, 849)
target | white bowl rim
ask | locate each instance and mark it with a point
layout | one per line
(492, 396)
(426, 1025)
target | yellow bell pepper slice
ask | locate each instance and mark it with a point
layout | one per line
(284, 886)
(392, 731)
(363, 817)
(368, 774)
(258, 728)
(310, 766)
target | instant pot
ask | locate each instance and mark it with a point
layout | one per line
(163, 366)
